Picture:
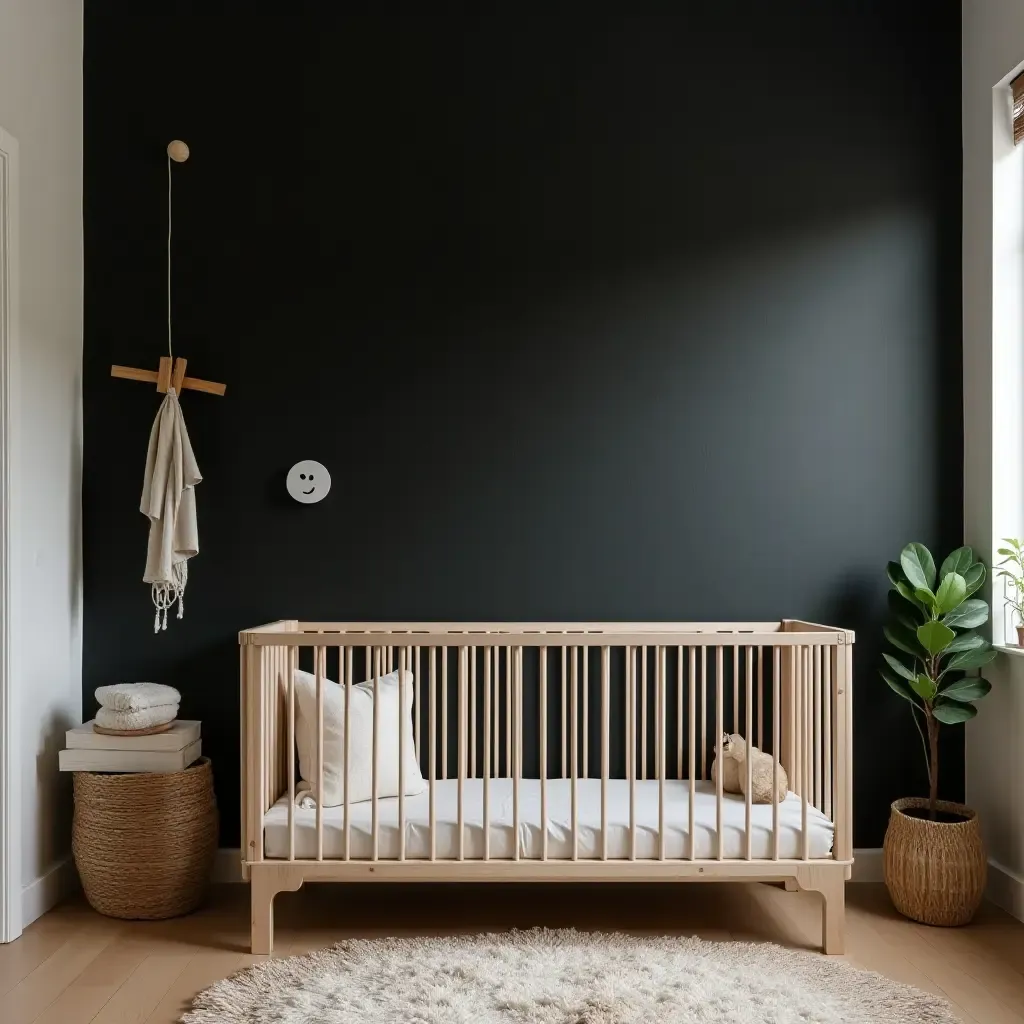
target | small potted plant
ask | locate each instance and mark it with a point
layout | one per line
(1012, 569)
(934, 857)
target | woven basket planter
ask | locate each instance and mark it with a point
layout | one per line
(934, 871)
(144, 844)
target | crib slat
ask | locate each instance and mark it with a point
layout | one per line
(679, 715)
(348, 748)
(292, 652)
(508, 712)
(643, 713)
(444, 713)
(270, 686)
(585, 655)
(519, 716)
(776, 739)
(804, 657)
(401, 753)
(704, 714)
(826, 670)
(461, 700)
(472, 712)
(750, 760)
(321, 660)
(544, 753)
(719, 729)
(760, 697)
(631, 748)
(487, 754)
(432, 743)
(692, 694)
(627, 711)
(378, 657)
(517, 767)
(605, 739)
(496, 739)
(565, 717)
(818, 801)
(660, 654)
(415, 663)
(574, 753)
(736, 689)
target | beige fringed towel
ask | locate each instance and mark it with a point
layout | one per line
(169, 501)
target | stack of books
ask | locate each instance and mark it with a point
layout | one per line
(171, 751)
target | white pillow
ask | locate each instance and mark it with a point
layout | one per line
(360, 756)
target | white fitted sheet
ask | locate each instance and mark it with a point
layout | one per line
(559, 826)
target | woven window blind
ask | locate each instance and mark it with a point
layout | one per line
(1017, 85)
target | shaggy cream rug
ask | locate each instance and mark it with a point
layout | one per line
(561, 977)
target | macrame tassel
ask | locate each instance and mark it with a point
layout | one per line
(166, 594)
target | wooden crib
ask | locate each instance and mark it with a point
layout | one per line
(559, 752)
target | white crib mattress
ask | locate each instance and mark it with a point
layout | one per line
(559, 825)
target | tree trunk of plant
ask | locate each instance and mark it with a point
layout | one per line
(933, 765)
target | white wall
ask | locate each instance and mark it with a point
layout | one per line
(993, 317)
(41, 105)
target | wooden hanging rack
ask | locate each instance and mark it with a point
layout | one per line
(168, 375)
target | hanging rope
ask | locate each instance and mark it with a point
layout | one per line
(170, 350)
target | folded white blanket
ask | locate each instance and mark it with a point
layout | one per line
(129, 721)
(136, 696)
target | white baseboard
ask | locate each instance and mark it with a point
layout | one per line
(227, 867)
(1006, 889)
(48, 890)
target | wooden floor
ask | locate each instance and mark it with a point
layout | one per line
(74, 966)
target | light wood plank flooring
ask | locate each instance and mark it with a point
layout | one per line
(74, 966)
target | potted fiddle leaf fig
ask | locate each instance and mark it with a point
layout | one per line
(934, 858)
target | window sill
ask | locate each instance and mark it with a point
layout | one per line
(1007, 649)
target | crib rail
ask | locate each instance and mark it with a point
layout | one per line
(547, 703)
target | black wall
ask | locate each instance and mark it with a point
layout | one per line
(610, 318)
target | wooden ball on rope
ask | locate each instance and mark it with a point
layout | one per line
(177, 151)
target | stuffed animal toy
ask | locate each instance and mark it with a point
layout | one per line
(730, 776)
(735, 751)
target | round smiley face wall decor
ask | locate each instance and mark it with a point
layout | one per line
(308, 482)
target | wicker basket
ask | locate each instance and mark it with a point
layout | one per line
(934, 871)
(144, 843)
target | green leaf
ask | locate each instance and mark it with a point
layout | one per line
(895, 573)
(905, 639)
(918, 565)
(958, 561)
(935, 637)
(970, 614)
(903, 611)
(897, 685)
(999, 551)
(952, 592)
(971, 688)
(908, 594)
(952, 713)
(924, 687)
(899, 668)
(965, 642)
(974, 578)
(927, 598)
(970, 659)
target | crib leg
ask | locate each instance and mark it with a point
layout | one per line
(831, 883)
(266, 881)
